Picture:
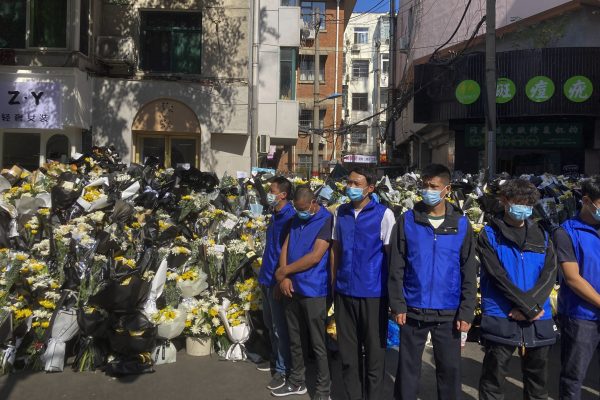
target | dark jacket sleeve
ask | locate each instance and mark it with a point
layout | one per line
(468, 272)
(396, 268)
(490, 261)
(547, 279)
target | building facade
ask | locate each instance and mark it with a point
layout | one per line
(170, 78)
(297, 157)
(366, 77)
(547, 86)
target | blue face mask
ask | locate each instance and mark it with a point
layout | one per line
(520, 212)
(354, 193)
(272, 199)
(596, 214)
(304, 215)
(431, 197)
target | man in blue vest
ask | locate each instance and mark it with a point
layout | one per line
(518, 272)
(303, 276)
(578, 248)
(361, 235)
(273, 312)
(432, 285)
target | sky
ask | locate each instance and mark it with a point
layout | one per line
(367, 5)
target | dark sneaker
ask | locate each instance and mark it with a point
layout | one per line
(288, 390)
(277, 382)
(264, 366)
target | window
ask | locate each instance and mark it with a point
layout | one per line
(171, 150)
(360, 102)
(13, 15)
(287, 74)
(305, 164)
(383, 97)
(358, 134)
(289, 3)
(57, 148)
(308, 9)
(48, 23)
(306, 118)
(361, 35)
(22, 149)
(385, 63)
(307, 68)
(171, 42)
(360, 68)
(84, 27)
(384, 29)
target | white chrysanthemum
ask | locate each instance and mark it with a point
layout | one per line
(206, 329)
(216, 321)
(195, 329)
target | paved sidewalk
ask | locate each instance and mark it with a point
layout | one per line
(192, 378)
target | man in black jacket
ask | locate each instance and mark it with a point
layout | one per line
(432, 285)
(518, 271)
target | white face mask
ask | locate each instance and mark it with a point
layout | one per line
(273, 199)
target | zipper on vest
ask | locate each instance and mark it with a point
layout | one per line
(433, 269)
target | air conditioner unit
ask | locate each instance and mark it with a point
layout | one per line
(264, 144)
(403, 44)
(115, 50)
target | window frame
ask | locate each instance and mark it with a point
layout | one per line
(308, 124)
(166, 136)
(360, 97)
(25, 33)
(364, 32)
(68, 36)
(385, 58)
(359, 135)
(294, 63)
(356, 73)
(142, 37)
(312, 68)
(323, 27)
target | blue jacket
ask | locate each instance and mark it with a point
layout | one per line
(516, 276)
(432, 277)
(586, 244)
(362, 268)
(313, 282)
(276, 234)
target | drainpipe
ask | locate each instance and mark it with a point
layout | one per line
(337, 62)
(253, 86)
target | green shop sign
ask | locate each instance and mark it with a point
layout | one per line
(467, 92)
(539, 89)
(578, 89)
(528, 135)
(505, 90)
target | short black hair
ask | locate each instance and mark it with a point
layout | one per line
(591, 187)
(433, 170)
(304, 192)
(521, 191)
(368, 173)
(284, 185)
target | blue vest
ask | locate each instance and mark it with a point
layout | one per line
(432, 278)
(276, 235)
(523, 268)
(362, 268)
(586, 244)
(314, 282)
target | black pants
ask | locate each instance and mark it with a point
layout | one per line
(446, 352)
(579, 342)
(308, 313)
(534, 364)
(362, 322)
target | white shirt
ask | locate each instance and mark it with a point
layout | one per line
(387, 225)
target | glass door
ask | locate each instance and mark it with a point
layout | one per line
(183, 151)
(152, 147)
(171, 150)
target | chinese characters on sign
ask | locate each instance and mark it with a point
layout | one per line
(528, 135)
(359, 158)
(538, 89)
(30, 105)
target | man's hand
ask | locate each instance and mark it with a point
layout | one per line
(280, 274)
(401, 319)
(540, 315)
(517, 315)
(463, 326)
(286, 286)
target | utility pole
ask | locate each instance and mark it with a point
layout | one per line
(490, 87)
(316, 125)
(254, 86)
(377, 102)
(390, 122)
